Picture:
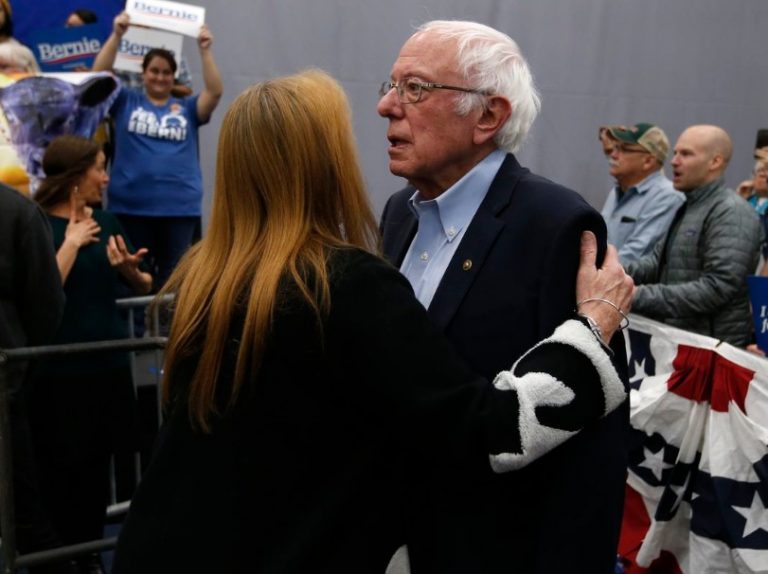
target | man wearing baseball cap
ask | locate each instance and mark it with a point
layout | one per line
(640, 207)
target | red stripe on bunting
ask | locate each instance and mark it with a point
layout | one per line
(731, 384)
(634, 526)
(692, 376)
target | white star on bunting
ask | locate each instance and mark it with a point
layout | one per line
(756, 515)
(654, 461)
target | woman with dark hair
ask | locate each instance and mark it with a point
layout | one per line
(301, 373)
(81, 17)
(82, 408)
(156, 189)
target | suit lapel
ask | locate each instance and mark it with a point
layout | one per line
(476, 244)
(398, 227)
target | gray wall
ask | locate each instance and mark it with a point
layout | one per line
(671, 62)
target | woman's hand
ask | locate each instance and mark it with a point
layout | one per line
(105, 59)
(119, 256)
(80, 233)
(595, 287)
(204, 38)
(120, 24)
(128, 263)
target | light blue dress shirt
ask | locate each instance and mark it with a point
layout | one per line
(442, 223)
(642, 216)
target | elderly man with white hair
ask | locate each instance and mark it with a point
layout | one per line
(492, 250)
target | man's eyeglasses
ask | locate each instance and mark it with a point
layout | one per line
(624, 148)
(409, 90)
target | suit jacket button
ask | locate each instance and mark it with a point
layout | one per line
(467, 265)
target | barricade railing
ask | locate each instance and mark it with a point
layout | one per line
(131, 305)
(7, 509)
(12, 561)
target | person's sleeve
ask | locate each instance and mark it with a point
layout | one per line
(406, 375)
(646, 269)
(41, 304)
(190, 104)
(651, 226)
(557, 300)
(729, 250)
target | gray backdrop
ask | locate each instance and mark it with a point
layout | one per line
(671, 62)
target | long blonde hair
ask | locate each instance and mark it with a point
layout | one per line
(288, 188)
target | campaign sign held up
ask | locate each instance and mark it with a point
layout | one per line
(172, 16)
(758, 296)
(138, 41)
(67, 49)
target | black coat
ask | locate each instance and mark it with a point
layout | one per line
(304, 474)
(563, 512)
(31, 296)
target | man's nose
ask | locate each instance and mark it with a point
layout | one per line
(389, 105)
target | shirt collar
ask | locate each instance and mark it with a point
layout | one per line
(457, 205)
(643, 186)
(704, 190)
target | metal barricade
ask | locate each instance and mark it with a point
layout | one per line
(12, 561)
(7, 516)
(131, 305)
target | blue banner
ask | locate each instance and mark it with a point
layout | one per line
(31, 15)
(758, 297)
(66, 49)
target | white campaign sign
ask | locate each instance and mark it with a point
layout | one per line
(172, 16)
(138, 41)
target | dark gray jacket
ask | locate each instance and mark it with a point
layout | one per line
(697, 278)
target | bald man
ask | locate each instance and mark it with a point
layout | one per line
(696, 279)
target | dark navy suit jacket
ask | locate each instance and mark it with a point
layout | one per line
(509, 284)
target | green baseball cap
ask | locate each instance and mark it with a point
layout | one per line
(648, 136)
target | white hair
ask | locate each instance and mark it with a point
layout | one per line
(492, 62)
(19, 57)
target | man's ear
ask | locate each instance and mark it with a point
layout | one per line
(496, 112)
(716, 162)
(650, 162)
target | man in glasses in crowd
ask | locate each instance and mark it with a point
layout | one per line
(643, 202)
(492, 252)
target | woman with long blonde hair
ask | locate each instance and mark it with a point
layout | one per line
(301, 371)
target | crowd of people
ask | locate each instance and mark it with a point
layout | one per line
(81, 411)
(336, 388)
(689, 243)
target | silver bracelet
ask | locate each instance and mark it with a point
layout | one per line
(623, 324)
(597, 332)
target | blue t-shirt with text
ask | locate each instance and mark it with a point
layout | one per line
(156, 170)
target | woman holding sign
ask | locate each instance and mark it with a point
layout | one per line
(156, 186)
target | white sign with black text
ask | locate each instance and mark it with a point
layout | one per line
(172, 16)
(138, 41)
